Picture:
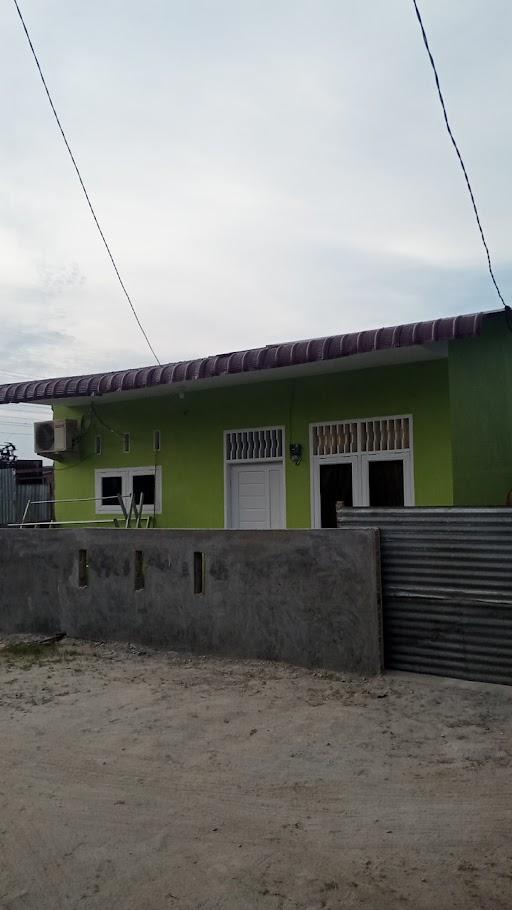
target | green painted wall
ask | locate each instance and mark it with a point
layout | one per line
(192, 429)
(480, 371)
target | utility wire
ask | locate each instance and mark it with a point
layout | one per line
(12, 373)
(89, 203)
(459, 156)
(103, 423)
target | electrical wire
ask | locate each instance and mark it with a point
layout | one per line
(103, 423)
(461, 161)
(89, 203)
(18, 375)
(59, 467)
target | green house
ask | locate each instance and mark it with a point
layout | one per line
(274, 437)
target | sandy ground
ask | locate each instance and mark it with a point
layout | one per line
(150, 781)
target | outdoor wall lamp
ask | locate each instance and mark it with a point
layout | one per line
(296, 452)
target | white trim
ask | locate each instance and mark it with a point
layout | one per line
(280, 428)
(404, 457)
(359, 421)
(260, 465)
(319, 460)
(312, 480)
(127, 475)
(360, 461)
(99, 474)
(157, 471)
(227, 465)
(227, 487)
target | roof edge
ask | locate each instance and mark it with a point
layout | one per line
(269, 357)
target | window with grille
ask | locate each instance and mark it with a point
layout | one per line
(262, 444)
(381, 434)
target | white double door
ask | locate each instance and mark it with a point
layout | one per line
(382, 479)
(256, 496)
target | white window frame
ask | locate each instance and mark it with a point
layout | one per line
(316, 462)
(250, 461)
(127, 475)
(360, 485)
(399, 455)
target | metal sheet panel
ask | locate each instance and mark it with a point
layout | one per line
(7, 495)
(447, 589)
(13, 499)
(34, 492)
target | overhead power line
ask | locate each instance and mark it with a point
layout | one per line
(459, 156)
(89, 203)
(12, 373)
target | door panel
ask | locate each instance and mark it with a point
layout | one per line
(336, 485)
(386, 483)
(387, 480)
(256, 496)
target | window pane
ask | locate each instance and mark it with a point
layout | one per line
(335, 486)
(111, 487)
(386, 481)
(144, 483)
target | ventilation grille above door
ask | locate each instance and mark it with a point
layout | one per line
(254, 445)
(335, 438)
(387, 434)
(381, 434)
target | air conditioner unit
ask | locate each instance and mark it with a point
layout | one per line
(56, 438)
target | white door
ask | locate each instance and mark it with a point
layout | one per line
(336, 478)
(257, 496)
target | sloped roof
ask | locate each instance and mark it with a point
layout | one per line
(270, 357)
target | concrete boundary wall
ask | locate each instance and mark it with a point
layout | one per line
(307, 597)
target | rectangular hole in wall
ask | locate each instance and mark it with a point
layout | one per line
(139, 570)
(126, 442)
(156, 440)
(198, 572)
(83, 573)
(97, 445)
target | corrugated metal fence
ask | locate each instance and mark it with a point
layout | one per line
(14, 497)
(447, 589)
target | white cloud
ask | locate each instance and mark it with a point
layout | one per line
(262, 171)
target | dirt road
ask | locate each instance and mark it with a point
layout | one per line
(151, 781)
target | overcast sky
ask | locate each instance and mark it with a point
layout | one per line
(263, 169)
